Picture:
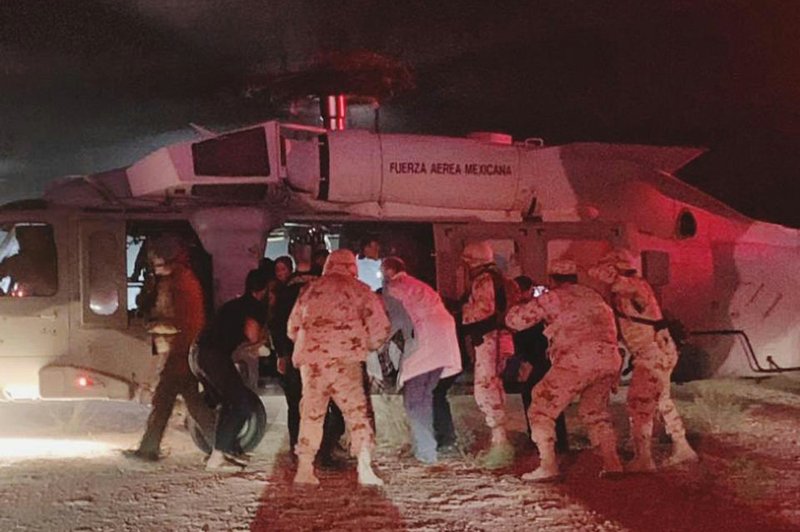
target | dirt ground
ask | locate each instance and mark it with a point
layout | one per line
(61, 469)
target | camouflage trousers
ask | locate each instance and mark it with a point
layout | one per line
(343, 383)
(488, 385)
(591, 371)
(649, 391)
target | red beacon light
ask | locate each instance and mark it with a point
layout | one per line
(84, 382)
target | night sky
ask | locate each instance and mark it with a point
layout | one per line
(88, 85)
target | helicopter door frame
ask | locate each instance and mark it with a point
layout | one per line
(612, 233)
(583, 239)
(103, 268)
(531, 245)
(34, 330)
(450, 239)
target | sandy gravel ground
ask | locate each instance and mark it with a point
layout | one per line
(61, 469)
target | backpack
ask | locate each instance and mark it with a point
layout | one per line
(506, 295)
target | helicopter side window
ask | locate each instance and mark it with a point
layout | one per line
(137, 268)
(103, 295)
(28, 261)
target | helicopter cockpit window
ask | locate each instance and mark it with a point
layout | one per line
(28, 265)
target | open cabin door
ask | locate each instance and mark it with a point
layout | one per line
(584, 242)
(514, 245)
(522, 248)
(35, 289)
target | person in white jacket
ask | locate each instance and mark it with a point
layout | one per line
(430, 349)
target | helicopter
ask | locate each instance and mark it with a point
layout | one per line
(70, 327)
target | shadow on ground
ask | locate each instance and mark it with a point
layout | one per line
(338, 503)
(730, 489)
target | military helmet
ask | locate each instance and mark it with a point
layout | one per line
(563, 267)
(169, 247)
(341, 261)
(478, 253)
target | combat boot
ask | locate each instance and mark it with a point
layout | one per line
(220, 461)
(643, 457)
(366, 475)
(501, 452)
(138, 454)
(682, 452)
(305, 471)
(548, 465)
(612, 467)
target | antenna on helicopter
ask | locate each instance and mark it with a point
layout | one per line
(203, 132)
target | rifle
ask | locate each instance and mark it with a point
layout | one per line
(478, 329)
(676, 329)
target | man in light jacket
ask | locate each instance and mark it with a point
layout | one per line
(430, 349)
(336, 321)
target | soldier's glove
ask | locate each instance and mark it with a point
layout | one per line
(478, 329)
(282, 364)
(524, 372)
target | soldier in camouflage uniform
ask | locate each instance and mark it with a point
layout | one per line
(586, 362)
(654, 356)
(493, 343)
(336, 321)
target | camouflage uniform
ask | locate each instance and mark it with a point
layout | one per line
(496, 346)
(336, 321)
(654, 357)
(586, 362)
(343, 383)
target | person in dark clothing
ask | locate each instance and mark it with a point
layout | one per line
(443, 428)
(239, 321)
(267, 265)
(284, 267)
(177, 318)
(531, 346)
(318, 259)
(287, 295)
